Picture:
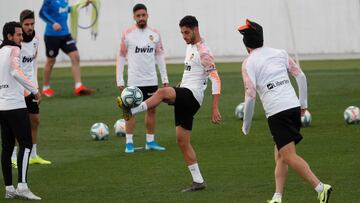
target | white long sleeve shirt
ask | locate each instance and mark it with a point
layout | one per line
(28, 61)
(199, 67)
(143, 50)
(265, 71)
(12, 80)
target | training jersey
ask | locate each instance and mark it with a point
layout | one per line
(55, 11)
(199, 67)
(266, 71)
(143, 49)
(12, 80)
(28, 62)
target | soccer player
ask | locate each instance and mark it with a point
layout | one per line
(188, 97)
(57, 36)
(28, 63)
(142, 46)
(14, 118)
(265, 70)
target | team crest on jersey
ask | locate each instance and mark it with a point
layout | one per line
(151, 37)
(192, 56)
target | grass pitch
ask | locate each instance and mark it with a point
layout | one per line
(237, 168)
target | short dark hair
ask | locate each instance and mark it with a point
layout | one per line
(138, 7)
(189, 21)
(26, 14)
(9, 28)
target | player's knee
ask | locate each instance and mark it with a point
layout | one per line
(35, 122)
(161, 92)
(287, 158)
(51, 62)
(151, 112)
(182, 143)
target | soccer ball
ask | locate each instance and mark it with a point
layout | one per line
(99, 131)
(306, 119)
(119, 128)
(239, 111)
(131, 96)
(352, 115)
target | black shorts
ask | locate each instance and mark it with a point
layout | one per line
(148, 91)
(185, 107)
(53, 43)
(285, 127)
(31, 104)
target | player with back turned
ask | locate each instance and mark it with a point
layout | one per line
(265, 71)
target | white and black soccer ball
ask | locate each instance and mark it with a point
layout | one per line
(131, 96)
(119, 128)
(306, 119)
(352, 115)
(239, 111)
(99, 131)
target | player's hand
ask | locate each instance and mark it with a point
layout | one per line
(245, 130)
(38, 98)
(216, 116)
(166, 85)
(303, 111)
(56, 27)
(87, 3)
(121, 88)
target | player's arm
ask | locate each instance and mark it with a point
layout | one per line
(120, 63)
(250, 96)
(216, 90)
(44, 13)
(160, 61)
(300, 77)
(18, 74)
(207, 61)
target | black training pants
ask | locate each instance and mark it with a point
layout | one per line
(15, 124)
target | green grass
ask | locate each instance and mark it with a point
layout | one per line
(236, 168)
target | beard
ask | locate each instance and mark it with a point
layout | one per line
(141, 24)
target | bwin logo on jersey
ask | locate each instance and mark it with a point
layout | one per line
(277, 83)
(63, 10)
(28, 59)
(147, 49)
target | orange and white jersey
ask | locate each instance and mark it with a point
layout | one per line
(199, 67)
(12, 80)
(266, 71)
(28, 62)
(143, 49)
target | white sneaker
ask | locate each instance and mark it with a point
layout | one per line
(26, 194)
(11, 194)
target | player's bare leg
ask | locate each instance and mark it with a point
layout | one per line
(281, 172)
(165, 94)
(150, 121)
(75, 69)
(183, 141)
(75, 66)
(49, 64)
(34, 157)
(289, 156)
